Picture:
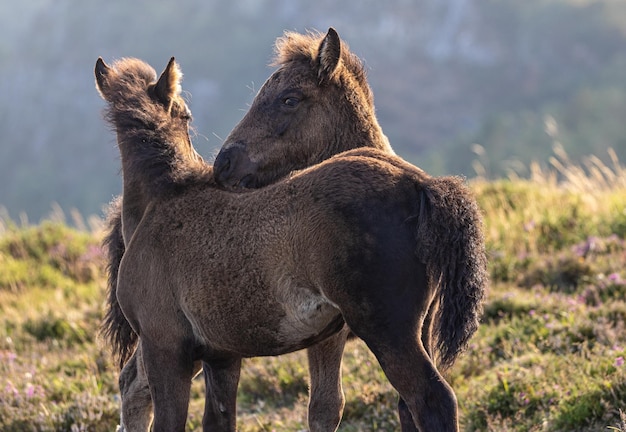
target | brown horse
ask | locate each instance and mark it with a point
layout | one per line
(318, 104)
(141, 107)
(356, 239)
(155, 109)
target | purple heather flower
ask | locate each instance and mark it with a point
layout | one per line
(29, 391)
(10, 388)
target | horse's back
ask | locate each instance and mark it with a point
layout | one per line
(368, 206)
(272, 270)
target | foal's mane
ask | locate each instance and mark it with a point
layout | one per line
(146, 124)
(299, 47)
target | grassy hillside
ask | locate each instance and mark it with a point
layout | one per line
(550, 355)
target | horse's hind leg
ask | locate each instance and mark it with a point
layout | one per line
(423, 391)
(427, 329)
(391, 326)
(326, 400)
(220, 406)
(406, 419)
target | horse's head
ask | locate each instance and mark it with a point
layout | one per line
(139, 103)
(316, 104)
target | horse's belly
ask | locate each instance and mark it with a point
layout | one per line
(306, 318)
(286, 321)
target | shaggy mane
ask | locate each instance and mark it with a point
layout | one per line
(294, 47)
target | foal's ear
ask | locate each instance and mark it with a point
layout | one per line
(168, 85)
(102, 72)
(328, 56)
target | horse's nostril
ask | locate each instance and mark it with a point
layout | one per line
(222, 164)
(232, 165)
(246, 182)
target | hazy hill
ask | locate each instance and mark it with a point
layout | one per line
(446, 74)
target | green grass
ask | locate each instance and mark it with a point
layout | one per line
(549, 355)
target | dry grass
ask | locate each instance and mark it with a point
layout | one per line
(549, 355)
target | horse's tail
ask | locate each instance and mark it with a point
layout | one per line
(115, 328)
(451, 244)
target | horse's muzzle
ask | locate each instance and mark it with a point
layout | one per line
(233, 167)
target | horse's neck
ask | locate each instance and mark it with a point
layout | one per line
(152, 168)
(377, 138)
(133, 208)
(147, 168)
(372, 137)
(149, 159)
(381, 142)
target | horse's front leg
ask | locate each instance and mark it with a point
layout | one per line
(169, 368)
(326, 399)
(136, 412)
(220, 406)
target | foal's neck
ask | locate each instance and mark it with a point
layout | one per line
(378, 139)
(148, 161)
(366, 133)
(154, 164)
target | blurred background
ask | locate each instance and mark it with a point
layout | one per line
(455, 81)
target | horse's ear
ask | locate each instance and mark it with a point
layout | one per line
(102, 71)
(168, 85)
(328, 56)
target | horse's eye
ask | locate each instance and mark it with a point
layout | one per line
(291, 101)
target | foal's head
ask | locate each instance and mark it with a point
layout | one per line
(316, 104)
(149, 115)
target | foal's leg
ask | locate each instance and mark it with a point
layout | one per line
(423, 391)
(220, 406)
(169, 369)
(391, 325)
(136, 410)
(326, 400)
(427, 329)
(136, 400)
(406, 419)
